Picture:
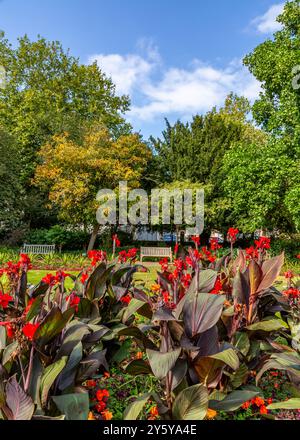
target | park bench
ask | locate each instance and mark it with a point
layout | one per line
(38, 249)
(165, 252)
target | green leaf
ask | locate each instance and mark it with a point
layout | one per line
(233, 401)
(162, 363)
(241, 342)
(53, 323)
(74, 406)
(293, 403)
(9, 352)
(138, 366)
(35, 308)
(133, 410)
(191, 403)
(2, 337)
(269, 325)
(132, 308)
(49, 376)
(229, 357)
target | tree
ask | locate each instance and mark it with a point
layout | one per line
(262, 178)
(11, 211)
(275, 64)
(47, 91)
(75, 171)
(195, 152)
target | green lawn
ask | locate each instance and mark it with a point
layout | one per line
(149, 278)
(35, 276)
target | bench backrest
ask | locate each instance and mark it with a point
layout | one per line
(38, 248)
(156, 252)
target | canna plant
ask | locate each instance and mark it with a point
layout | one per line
(52, 341)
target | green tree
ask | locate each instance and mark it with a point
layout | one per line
(47, 92)
(75, 171)
(262, 178)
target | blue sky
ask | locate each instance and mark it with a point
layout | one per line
(174, 58)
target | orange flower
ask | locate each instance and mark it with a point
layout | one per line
(263, 410)
(155, 287)
(91, 383)
(139, 355)
(100, 394)
(107, 415)
(154, 411)
(106, 374)
(91, 416)
(211, 414)
(258, 401)
(246, 405)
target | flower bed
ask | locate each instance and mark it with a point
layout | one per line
(210, 339)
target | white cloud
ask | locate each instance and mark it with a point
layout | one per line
(267, 23)
(159, 91)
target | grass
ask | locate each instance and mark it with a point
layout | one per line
(147, 278)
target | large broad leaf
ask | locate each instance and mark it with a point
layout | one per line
(132, 308)
(20, 404)
(52, 325)
(270, 270)
(178, 373)
(35, 308)
(207, 280)
(255, 276)
(208, 342)
(96, 284)
(208, 370)
(2, 337)
(201, 312)
(233, 401)
(162, 363)
(67, 377)
(133, 410)
(74, 406)
(8, 353)
(49, 376)
(90, 364)
(191, 403)
(139, 335)
(229, 357)
(287, 404)
(241, 287)
(138, 366)
(242, 342)
(268, 325)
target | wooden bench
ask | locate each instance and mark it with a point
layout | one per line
(38, 249)
(165, 252)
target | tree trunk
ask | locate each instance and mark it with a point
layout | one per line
(93, 237)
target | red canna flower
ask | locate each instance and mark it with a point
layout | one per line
(263, 243)
(74, 301)
(24, 261)
(9, 329)
(116, 240)
(29, 330)
(49, 279)
(96, 256)
(217, 287)
(91, 383)
(61, 275)
(196, 240)
(251, 253)
(5, 299)
(164, 264)
(232, 234)
(214, 244)
(126, 299)
(289, 274)
(84, 277)
(292, 293)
